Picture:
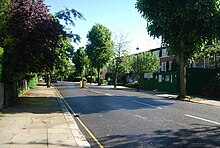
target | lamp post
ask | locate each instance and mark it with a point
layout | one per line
(137, 71)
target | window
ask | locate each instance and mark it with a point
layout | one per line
(194, 64)
(170, 65)
(163, 66)
(206, 62)
(164, 53)
(157, 53)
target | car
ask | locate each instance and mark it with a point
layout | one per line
(53, 80)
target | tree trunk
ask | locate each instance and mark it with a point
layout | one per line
(99, 83)
(82, 80)
(10, 87)
(182, 71)
(48, 80)
(116, 79)
(116, 75)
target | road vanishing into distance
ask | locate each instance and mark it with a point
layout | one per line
(125, 118)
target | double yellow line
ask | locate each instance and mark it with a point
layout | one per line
(80, 121)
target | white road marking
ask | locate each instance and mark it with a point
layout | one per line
(140, 117)
(108, 94)
(210, 121)
(146, 104)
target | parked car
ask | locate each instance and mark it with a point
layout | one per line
(53, 80)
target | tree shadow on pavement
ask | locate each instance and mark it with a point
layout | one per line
(196, 137)
(38, 105)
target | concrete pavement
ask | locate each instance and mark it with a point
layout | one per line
(40, 119)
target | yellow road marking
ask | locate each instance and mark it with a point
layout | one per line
(83, 125)
(90, 133)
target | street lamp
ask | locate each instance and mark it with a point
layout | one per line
(137, 71)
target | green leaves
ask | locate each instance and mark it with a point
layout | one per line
(68, 14)
(145, 62)
(191, 22)
(80, 60)
(100, 45)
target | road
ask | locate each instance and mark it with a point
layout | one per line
(120, 118)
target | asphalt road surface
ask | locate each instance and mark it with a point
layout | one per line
(120, 118)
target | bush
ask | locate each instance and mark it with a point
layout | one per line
(214, 88)
(104, 82)
(32, 81)
(133, 85)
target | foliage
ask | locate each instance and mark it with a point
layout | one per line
(65, 53)
(36, 33)
(3, 16)
(32, 81)
(100, 46)
(120, 62)
(185, 27)
(132, 85)
(67, 15)
(212, 52)
(214, 87)
(30, 39)
(80, 60)
(145, 62)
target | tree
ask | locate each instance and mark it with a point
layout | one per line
(80, 60)
(99, 47)
(67, 15)
(145, 62)
(3, 16)
(34, 35)
(65, 53)
(185, 27)
(212, 52)
(1, 62)
(120, 62)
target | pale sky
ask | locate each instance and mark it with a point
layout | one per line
(120, 16)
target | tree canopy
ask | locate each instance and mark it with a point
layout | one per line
(80, 60)
(100, 46)
(120, 64)
(185, 26)
(145, 62)
(36, 35)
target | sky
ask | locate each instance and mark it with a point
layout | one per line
(120, 16)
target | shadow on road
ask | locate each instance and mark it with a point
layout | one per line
(197, 137)
(100, 103)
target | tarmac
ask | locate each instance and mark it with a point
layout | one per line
(40, 119)
(193, 99)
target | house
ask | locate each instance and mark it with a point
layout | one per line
(167, 61)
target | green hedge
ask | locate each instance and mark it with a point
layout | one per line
(32, 81)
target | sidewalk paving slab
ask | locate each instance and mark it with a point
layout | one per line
(40, 119)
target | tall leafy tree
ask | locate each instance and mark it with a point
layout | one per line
(145, 62)
(99, 47)
(4, 8)
(34, 36)
(80, 60)
(65, 53)
(120, 62)
(185, 27)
